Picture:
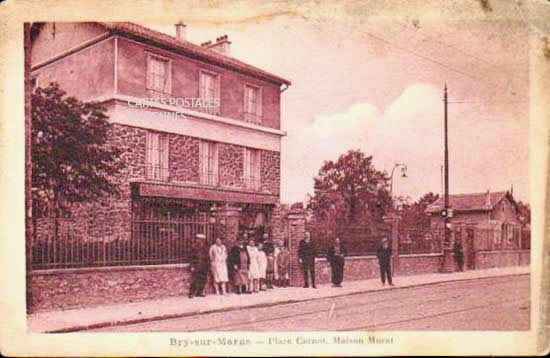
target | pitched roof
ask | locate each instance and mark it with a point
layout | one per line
(190, 49)
(469, 202)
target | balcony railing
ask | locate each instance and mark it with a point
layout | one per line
(208, 178)
(252, 118)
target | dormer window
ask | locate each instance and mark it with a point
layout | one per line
(159, 79)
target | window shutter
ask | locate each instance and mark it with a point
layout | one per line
(167, 77)
(246, 99)
(164, 158)
(148, 155)
(214, 168)
(259, 103)
(202, 86)
(201, 162)
(150, 71)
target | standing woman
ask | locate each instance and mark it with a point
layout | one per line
(239, 262)
(254, 270)
(335, 257)
(218, 261)
(262, 265)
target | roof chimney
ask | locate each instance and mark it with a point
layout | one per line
(180, 31)
(222, 45)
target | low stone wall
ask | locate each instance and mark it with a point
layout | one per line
(418, 264)
(64, 289)
(490, 259)
(366, 267)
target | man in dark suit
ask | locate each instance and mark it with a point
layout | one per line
(384, 261)
(306, 257)
(198, 267)
(335, 256)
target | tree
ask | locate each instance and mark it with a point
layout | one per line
(351, 186)
(414, 216)
(72, 159)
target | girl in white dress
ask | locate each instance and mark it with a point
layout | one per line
(254, 270)
(218, 262)
(262, 265)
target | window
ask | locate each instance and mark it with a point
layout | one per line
(158, 76)
(209, 92)
(208, 164)
(252, 168)
(252, 104)
(156, 156)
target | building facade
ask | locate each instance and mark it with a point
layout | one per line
(200, 132)
(495, 215)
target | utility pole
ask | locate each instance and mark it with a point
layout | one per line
(447, 253)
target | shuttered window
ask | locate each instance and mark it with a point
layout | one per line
(252, 104)
(209, 90)
(158, 76)
(156, 156)
(208, 164)
(252, 168)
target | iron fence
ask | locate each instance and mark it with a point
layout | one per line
(146, 242)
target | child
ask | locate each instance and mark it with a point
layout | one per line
(282, 266)
(270, 270)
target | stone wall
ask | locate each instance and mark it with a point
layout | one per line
(490, 259)
(90, 287)
(183, 158)
(231, 165)
(270, 171)
(419, 264)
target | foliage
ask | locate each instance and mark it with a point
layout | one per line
(350, 191)
(72, 160)
(414, 216)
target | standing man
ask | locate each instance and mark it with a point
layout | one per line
(459, 255)
(306, 257)
(335, 256)
(384, 261)
(198, 267)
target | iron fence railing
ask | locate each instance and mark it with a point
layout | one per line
(147, 242)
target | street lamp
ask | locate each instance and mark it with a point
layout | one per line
(403, 174)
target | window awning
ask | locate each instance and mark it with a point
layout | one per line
(180, 191)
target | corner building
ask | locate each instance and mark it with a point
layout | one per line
(209, 169)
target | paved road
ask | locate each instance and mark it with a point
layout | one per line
(486, 304)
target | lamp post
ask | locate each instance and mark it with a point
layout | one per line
(403, 174)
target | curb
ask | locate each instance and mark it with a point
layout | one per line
(258, 305)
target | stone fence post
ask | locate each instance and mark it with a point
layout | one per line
(296, 220)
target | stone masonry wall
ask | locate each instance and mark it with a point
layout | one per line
(270, 171)
(490, 259)
(87, 288)
(183, 158)
(231, 165)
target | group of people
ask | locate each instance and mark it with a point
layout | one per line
(336, 254)
(253, 267)
(249, 267)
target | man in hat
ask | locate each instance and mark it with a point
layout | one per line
(306, 257)
(384, 261)
(198, 267)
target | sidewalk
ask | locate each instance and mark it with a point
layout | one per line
(181, 306)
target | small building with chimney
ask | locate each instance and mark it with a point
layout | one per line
(495, 216)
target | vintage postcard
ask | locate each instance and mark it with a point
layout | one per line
(286, 178)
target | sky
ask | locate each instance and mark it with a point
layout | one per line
(376, 84)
